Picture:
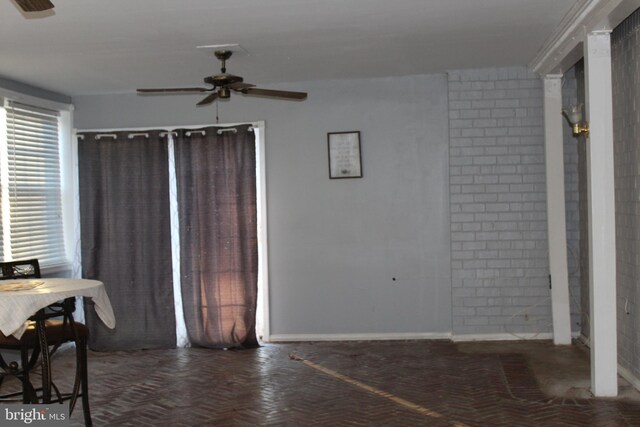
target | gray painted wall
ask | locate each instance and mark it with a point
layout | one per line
(336, 246)
(574, 181)
(34, 91)
(441, 235)
(577, 205)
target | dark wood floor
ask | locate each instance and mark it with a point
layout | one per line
(420, 383)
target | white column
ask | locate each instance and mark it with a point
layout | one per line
(602, 243)
(557, 228)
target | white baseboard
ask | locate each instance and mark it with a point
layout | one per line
(502, 337)
(623, 372)
(409, 336)
(360, 337)
(584, 340)
(627, 375)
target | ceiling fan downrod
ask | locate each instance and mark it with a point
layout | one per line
(223, 55)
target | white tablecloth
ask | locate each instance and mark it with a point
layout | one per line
(17, 306)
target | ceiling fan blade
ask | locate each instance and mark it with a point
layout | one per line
(34, 5)
(239, 86)
(176, 89)
(209, 99)
(275, 93)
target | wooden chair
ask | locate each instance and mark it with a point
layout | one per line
(58, 331)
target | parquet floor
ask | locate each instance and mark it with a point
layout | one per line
(392, 383)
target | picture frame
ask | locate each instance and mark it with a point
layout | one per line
(345, 157)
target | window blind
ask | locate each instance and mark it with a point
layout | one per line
(34, 184)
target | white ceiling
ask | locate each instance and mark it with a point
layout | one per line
(111, 46)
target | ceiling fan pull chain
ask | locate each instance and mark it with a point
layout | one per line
(217, 118)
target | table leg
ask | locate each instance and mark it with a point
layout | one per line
(44, 361)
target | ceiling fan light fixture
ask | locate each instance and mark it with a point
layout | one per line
(224, 93)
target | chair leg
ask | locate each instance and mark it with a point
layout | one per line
(81, 385)
(21, 372)
(28, 392)
(82, 351)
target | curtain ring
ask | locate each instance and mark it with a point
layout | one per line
(106, 135)
(133, 135)
(232, 130)
(190, 132)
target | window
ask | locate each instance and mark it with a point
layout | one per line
(31, 186)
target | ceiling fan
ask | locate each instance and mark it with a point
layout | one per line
(223, 83)
(34, 5)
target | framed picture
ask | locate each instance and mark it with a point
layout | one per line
(345, 160)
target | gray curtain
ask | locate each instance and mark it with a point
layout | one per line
(216, 182)
(126, 238)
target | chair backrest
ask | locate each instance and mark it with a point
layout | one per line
(22, 269)
(30, 268)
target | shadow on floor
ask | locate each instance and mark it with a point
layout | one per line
(561, 371)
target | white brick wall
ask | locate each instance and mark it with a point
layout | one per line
(498, 211)
(626, 116)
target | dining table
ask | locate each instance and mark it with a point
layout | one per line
(22, 299)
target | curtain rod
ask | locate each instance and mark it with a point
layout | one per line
(258, 124)
(163, 134)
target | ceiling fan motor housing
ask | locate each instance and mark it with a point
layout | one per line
(220, 80)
